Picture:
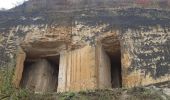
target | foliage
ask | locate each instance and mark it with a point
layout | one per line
(68, 95)
(7, 91)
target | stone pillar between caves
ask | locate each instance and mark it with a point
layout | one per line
(84, 69)
(19, 68)
(103, 64)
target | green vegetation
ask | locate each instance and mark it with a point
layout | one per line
(7, 91)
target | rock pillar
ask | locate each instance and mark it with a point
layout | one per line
(103, 64)
(19, 68)
(83, 69)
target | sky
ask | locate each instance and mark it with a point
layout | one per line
(7, 4)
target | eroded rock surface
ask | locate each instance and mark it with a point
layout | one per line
(141, 35)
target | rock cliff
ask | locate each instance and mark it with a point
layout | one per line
(136, 40)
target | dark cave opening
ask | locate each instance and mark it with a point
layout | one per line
(41, 75)
(116, 74)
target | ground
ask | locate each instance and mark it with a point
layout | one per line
(137, 93)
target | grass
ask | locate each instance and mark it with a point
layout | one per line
(8, 92)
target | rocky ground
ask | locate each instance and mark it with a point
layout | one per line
(138, 93)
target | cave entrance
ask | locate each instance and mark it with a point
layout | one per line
(41, 74)
(116, 74)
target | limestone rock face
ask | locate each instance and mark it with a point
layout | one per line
(111, 42)
(77, 70)
(93, 40)
(84, 69)
(79, 4)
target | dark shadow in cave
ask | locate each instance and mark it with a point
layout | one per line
(41, 75)
(116, 74)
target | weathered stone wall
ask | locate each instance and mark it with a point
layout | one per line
(142, 35)
(145, 57)
(94, 4)
(84, 69)
(77, 70)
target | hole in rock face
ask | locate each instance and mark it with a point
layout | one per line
(116, 77)
(112, 48)
(41, 74)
